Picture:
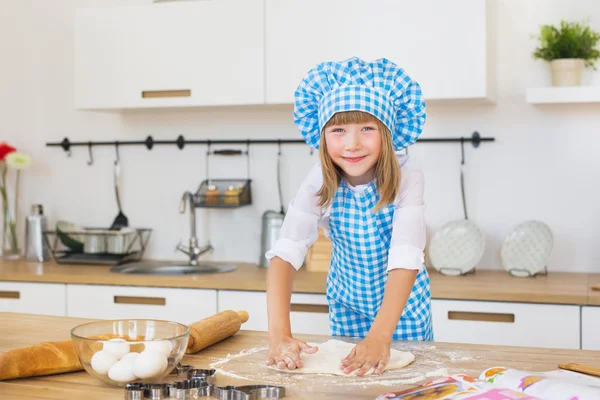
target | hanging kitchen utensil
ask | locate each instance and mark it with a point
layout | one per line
(271, 220)
(459, 245)
(121, 219)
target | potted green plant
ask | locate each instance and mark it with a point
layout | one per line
(568, 49)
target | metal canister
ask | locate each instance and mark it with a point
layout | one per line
(35, 225)
(271, 226)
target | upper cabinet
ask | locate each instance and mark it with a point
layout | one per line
(444, 45)
(240, 52)
(200, 53)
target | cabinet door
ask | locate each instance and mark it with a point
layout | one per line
(309, 312)
(170, 55)
(445, 46)
(122, 302)
(512, 324)
(590, 322)
(33, 298)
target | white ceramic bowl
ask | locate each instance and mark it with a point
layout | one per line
(456, 248)
(525, 251)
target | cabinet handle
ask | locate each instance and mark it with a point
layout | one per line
(480, 316)
(10, 295)
(155, 301)
(149, 94)
(310, 308)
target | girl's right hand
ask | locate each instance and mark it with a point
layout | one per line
(284, 352)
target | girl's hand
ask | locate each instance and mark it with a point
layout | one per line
(284, 351)
(369, 353)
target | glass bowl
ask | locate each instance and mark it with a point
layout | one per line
(119, 352)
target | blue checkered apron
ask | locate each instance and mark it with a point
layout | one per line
(358, 270)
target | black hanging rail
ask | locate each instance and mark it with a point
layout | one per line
(180, 142)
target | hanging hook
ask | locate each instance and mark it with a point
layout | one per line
(207, 161)
(66, 145)
(279, 147)
(117, 151)
(312, 150)
(91, 160)
(248, 159)
(462, 150)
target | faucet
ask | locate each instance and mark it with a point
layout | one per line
(193, 251)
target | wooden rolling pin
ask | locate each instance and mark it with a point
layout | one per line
(213, 329)
(596, 287)
(584, 369)
(58, 357)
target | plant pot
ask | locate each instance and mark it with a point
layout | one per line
(566, 71)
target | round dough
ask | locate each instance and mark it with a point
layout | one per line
(327, 359)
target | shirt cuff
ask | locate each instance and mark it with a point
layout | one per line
(406, 257)
(288, 250)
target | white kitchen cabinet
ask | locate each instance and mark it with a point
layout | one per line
(590, 328)
(309, 312)
(33, 298)
(446, 46)
(122, 302)
(504, 323)
(180, 54)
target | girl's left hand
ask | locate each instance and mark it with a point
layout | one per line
(369, 353)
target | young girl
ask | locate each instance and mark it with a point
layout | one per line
(369, 201)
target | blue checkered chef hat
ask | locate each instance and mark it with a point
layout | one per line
(380, 88)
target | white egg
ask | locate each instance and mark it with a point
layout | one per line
(149, 364)
(130, 357)
(122, 371)
(117, 346)
(164, 346)
(102, 361)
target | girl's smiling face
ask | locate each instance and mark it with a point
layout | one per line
(355, 148)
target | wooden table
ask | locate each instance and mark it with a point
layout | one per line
(432, 359)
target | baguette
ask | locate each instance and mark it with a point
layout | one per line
(42, 359)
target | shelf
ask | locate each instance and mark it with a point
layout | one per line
(564, 94)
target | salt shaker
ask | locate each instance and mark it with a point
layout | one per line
(35, 225)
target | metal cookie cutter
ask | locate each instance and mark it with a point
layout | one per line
(203, 375)
(134, 391)
(250, 392)
(191, 389)
(181, 369)
(157, 391)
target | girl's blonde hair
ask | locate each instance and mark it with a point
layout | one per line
(387, 169)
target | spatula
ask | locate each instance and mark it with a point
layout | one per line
(121, 220)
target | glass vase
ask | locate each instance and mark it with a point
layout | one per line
(11, 249)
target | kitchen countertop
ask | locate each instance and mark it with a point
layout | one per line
(489, 285)
(435, 359)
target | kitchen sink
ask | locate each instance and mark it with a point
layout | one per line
(172, 268)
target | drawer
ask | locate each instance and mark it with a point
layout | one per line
(309, 312)
(33, 298)
(590, 328)
(511, 324)
(121, 302)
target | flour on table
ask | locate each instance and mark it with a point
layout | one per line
(327, 359)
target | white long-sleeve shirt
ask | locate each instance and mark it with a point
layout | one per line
(299, 230)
